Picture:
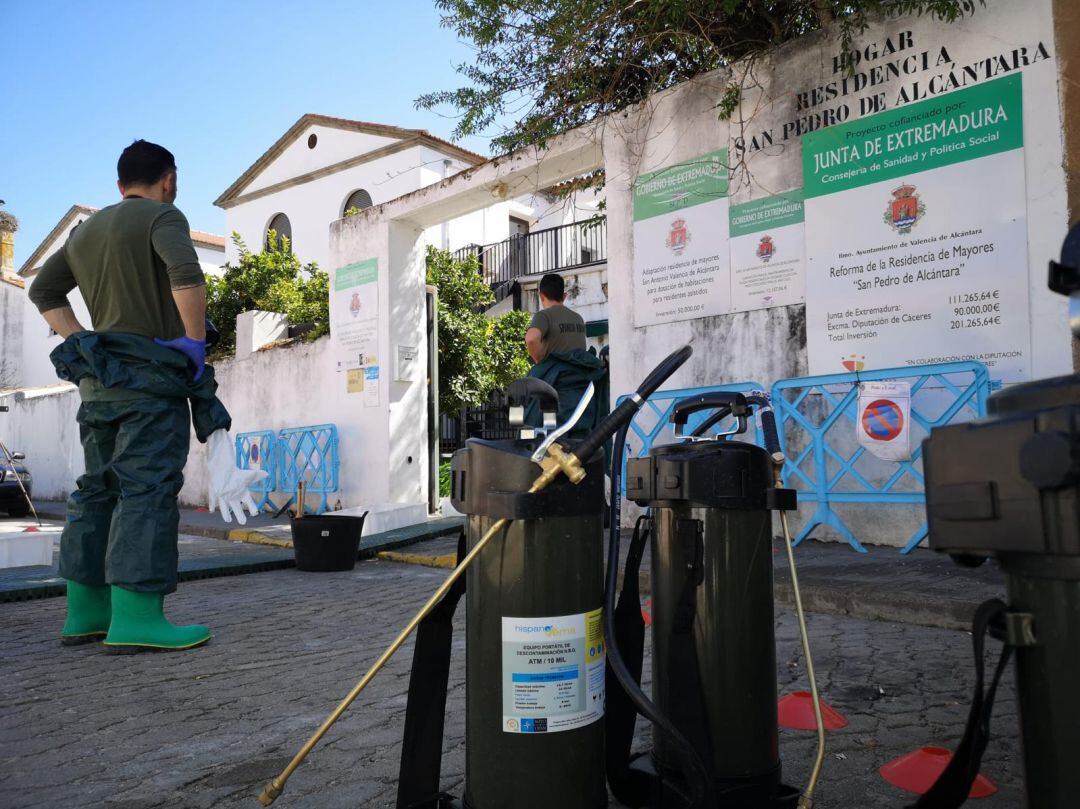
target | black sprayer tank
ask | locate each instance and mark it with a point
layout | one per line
(534, 637)
(714, 657)
(1008, 486)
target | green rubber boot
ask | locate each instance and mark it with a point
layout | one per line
(88, 614)
(139, 625)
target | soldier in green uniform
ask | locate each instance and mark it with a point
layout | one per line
(554, 328)
(136, 267)
(555, 341)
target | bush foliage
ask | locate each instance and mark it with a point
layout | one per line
(273, 281)
(545, 66)
(477, 354)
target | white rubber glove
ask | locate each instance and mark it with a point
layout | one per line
(229, 486)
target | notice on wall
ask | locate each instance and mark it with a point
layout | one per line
(680, 241)
(552, 672)
(768, 258)
(916, 236)
(354, 314)
(371, 386)
(354, 380)
(883, 427)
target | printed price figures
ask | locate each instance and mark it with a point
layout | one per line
(975, 322)
(976, 309)
(975, 297)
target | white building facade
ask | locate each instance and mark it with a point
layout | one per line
(679, 130)
(323, 167)
(38, 340)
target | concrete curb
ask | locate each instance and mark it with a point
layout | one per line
(818, 596)
(46, 584)
(382, 545)
(448, 560)
(865, 604)
(258, 536)
(51, 511)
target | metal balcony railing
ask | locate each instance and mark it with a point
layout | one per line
(566, 247)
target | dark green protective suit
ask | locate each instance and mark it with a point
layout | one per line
(570, 373)
(122, 520)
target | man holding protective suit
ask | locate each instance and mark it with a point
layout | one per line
(137, 371)
(556, 343)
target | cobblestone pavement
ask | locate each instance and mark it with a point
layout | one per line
(208, 728)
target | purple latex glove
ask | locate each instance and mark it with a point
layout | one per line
(194, 350)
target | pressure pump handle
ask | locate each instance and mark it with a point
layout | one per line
(763, 402)
(521, 390)
(724, 403)
(732, 403)
(772, 439)
(622, 414)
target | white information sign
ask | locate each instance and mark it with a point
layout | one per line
(371, 386)
(768, 252)
(883, 427)
(552, 672)
(680, 241)
(354, 315)
(916, 236)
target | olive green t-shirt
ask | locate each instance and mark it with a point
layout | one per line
(126, 260)
(562, 328)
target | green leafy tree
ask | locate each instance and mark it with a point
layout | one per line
(551, 65)
(477, 354)
(274, 281)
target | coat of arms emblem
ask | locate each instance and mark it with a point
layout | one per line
(678, 237)
(854, 363)
(354, 304)
(905, 209)
(766, 248)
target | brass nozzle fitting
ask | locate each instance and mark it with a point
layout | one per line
(271, 792)
(559, 461)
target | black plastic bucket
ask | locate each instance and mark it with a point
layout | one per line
(327, 542)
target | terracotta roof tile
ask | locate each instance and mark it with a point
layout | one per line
(199, 237)
(207, 239)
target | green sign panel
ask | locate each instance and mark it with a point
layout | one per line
(353, 275)
(690, 183)
(982, 120)
(766, 213)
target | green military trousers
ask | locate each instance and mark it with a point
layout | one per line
(122, 520)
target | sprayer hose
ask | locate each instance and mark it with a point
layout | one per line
(694, 769)
(274, 788)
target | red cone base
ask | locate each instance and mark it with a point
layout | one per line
(646, 612)
(796, 711)
(31, 528)
(917, 771)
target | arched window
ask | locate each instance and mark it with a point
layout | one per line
(281, 226)
(358, 199)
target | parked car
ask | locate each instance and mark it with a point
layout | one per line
(12, 499)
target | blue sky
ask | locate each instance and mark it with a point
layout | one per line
(215, 82)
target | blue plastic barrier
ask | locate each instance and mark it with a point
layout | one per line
(309, 454)
(958, 389)
(653, 420)
(259, 448)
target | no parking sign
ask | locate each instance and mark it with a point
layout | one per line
(884, 416)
